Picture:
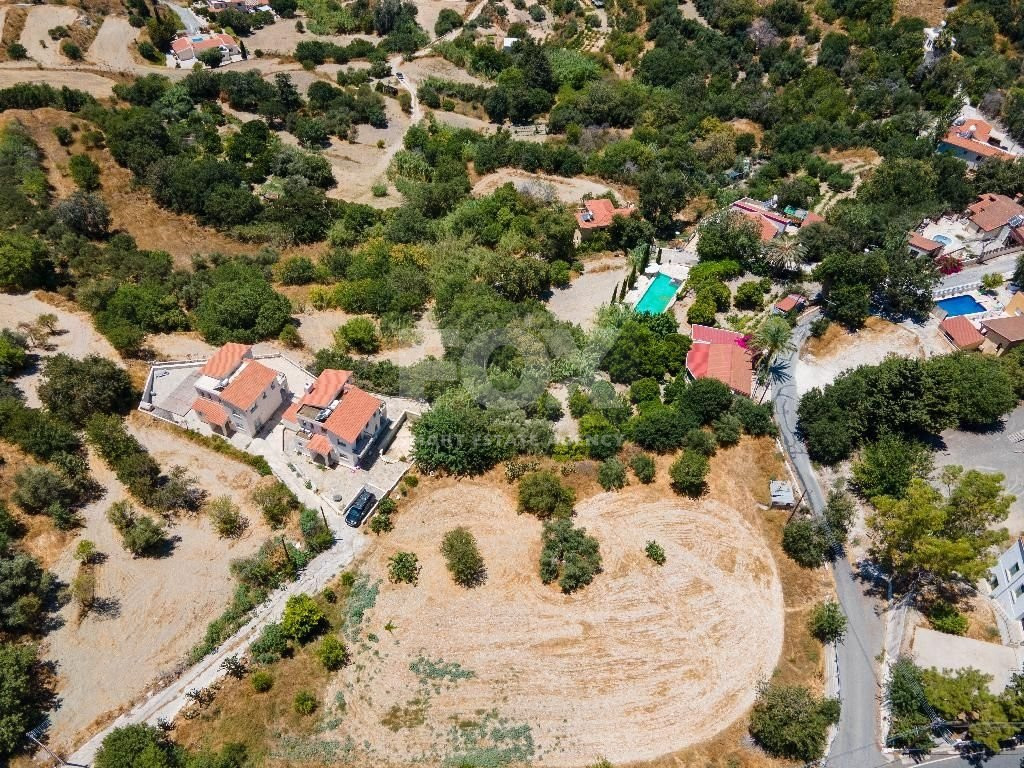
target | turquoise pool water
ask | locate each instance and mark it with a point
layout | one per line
(659, 295)
(960, 305)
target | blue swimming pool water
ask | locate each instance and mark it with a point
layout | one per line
(659, 295)
(960, 305)
(942, 239)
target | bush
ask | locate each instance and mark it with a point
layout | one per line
(688, 473)
(332, 653)
(271, 645)
(612, 474)
(381, 523)
(655, 552)
(317, 535)
(71, 50)
(643, 467)
(84, 172)
(644, 390)
(403, 568)
(148, 51)
(296, 270)
(827, 622)
(226, 517)
(303, 618)
(727, 429)
(305, 703)
(569, 555)
(358, 334)
(261, 681)
(17, 52)
(944, 617)
(276, 502)
(465, 563)
(750, 295)
(542, 494)
(140, 534)
(790, 722)
(74, 390)
(819, 326)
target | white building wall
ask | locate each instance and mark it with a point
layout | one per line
(1008, 581)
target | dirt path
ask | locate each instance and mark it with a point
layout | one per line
(644, 649)
(94, 85)
(112, 48)
(35, 37)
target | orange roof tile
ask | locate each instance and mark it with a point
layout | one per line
(716, 335)
(352, 414)
(811, 218)
(923, 243)
(961, 332)
(730, 364)
(993, 211)
(789, 303)
(225, 360)
(1010, 328)
(971, 145)
(291, 412)
(246, 388)
(319, 444)
(326, 388)
(210, 412)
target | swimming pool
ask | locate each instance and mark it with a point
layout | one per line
(960, 305)
(942, 239)
(659, 295)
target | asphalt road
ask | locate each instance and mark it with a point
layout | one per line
(856, 741)
(193, 24)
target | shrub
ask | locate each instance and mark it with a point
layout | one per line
(403, 568)
(140, 534)
(226, 517)
(819, 326)
(655, 552)
(612, 474)
(262, 681)
(271, 645)
(17, 52)
(381, 523)
(276, 502)
(303, 618)
(465, 563)
(569, 555)
(542, 494)
(644, 390)
(688, 473)
(358, 334)
(289, 336)
(750, 295)
(790, 722)
(332, 653)
(805, 541)
(700, 441)
(317, 535)
(946, 618)
(71, 50)
(84, 172)
(148, 51)
(296, 270)
(305, 703)
(827, 622)
(643, 467)
(727, 429)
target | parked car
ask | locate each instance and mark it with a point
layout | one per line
(360, 508)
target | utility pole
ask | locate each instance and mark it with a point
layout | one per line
(324, 516)
(32, 735)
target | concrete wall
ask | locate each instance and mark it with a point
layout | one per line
(1008, 581)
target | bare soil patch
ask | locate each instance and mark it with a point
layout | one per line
(282, 37)
(558, 187)
(434, 66)
(839, 350)
(112, 48)
(579, 302)
(931, 11)
(35, 37)
(644, 649)
(93, 84)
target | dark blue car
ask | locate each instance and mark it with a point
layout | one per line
(360, 507)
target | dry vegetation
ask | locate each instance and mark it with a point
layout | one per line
(931, 11)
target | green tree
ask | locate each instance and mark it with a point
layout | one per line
(241, 306)
(303, 618)
(24, 586)
(452, 436)
(643, 467)
(136, 746)
(332, 653)
(22, 694)
(729, 236)
(24, 263)
(85, 172)
(771, 338)
(403, 568)
(358, 334)
(74, 390)
(612, 474)
(806, 541)
(688, 473)
(542, 494)
(886, 466)
(827, 622)
(568, 555)
(790, 722)
(462, 555)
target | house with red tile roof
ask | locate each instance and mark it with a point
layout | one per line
(721, 354)
(993, 217)
(791, 303)
(961, 332)
(235, 393)
(189, 47)
(771, 223)
(337, 421)
(973, 141)
(595, 215)
(923, 246)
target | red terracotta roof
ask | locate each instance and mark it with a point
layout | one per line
(319, 444)
(602, 212)
(993, 211)
(972, 145)
(923, 243)
(326, 388)
(181, 44)
(210, 412)
(246, 388)
(728, 363)
(225, 360)
(352, 414)
(961, 332)
(811, 218)
(716, 335)
(1010, 328)
(291, 412)
(789, 303)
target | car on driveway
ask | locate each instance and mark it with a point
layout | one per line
(360, 508)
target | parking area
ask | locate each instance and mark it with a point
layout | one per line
(1000, 451)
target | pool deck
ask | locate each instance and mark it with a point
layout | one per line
(674, 271)
(991, 306)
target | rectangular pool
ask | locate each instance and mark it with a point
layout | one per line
(659, 295)
(959, 305)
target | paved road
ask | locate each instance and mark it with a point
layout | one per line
(193, 24)
(855, 744)
(972, 273)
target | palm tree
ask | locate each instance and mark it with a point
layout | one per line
(772, 337)
(784, 254)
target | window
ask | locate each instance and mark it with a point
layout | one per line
(1014, 569)
(1018, 591)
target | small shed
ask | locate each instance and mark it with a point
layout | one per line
(781, 493)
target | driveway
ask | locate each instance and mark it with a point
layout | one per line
(856, 741)
(193, 24)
